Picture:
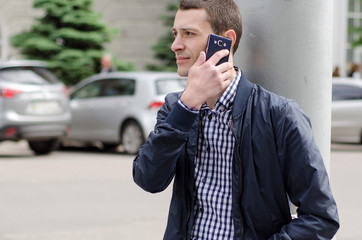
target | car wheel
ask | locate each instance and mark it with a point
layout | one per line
(42, 147)
(132, 137)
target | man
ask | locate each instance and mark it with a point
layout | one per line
(237, 153)
(106, 64)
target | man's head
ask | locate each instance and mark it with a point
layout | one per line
(195, 20)
(106, 60)
(223, 15)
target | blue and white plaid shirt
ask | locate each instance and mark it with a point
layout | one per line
(213, 171)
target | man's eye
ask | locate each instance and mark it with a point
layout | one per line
(189, 33)
(174, 34)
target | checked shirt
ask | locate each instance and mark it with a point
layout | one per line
(213, 171)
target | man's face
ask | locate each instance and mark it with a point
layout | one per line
(191, 30)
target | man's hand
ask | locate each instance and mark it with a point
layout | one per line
(206, 81)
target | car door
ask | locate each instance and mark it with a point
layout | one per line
(97, 109)
(84, 105)
(346, 113)
(116, 98)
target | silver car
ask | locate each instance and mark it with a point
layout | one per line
(34, 105)
(118, 108)
(347, 110)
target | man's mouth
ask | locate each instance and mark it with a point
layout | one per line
(181, 59)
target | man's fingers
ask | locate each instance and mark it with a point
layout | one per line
(201, 59)
(214, 59)
(224, 67)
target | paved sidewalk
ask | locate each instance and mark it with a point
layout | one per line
(346, 182)
(135, 215)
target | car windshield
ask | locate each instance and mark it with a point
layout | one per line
(28, 75)
(165, 86)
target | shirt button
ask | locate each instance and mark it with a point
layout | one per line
(208, 148)
(203, 180)
(201, 209)
(210, 117)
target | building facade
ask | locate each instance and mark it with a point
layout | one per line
(137, 21)
(347, 16)
(139, 25)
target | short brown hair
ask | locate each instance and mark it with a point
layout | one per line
(223, 15)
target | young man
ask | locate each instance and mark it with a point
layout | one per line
(236, 152)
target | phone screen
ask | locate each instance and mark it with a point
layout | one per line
(215, 44)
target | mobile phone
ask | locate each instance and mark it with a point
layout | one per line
(215, 44)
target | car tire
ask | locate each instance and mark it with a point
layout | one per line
(42, 147)
(132, 137)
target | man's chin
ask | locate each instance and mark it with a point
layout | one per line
(182, 72)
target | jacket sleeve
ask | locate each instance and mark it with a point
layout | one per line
(305, 177)
(155, 165)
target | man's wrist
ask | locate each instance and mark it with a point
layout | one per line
(186, 107)
(190, 102)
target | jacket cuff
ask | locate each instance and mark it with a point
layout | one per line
(181, 118)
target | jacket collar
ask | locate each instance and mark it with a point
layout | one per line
(242, 95)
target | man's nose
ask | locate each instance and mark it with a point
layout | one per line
(177, 45)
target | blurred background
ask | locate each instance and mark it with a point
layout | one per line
(140, 24)
(128, 30)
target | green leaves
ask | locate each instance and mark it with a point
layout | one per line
(74, 65)
(73, 38)
(70, 36)
(162, 49)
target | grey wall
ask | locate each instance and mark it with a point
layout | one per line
(139, 25)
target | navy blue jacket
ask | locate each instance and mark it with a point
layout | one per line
(275, 160)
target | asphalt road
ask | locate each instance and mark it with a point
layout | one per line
(89, 195)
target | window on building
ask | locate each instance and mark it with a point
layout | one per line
(354, 54)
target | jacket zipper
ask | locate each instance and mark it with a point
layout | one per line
(188, 208)
(236, 149)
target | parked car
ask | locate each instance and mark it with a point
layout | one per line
(34, 105)
(347, 110)
(118, 108)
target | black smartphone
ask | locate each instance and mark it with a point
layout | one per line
(215, 44)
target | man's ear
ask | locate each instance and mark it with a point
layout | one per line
(231, 35)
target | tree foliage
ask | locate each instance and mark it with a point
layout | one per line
(162, 49)
(70, 36)
(355, 33)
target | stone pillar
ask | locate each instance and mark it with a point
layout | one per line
(287, 48)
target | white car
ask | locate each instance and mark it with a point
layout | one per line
(347, 110)
(34, 105)
(118, 108)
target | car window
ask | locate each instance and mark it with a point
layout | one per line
(89, 90)
(165, 86)
(118, 87)
(28, 75)
(346, 92)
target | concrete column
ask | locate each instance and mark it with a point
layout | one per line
(287, 48)
(340, 36)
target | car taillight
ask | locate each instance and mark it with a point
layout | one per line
(8, 93)
(10, 132)
(156, 105)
